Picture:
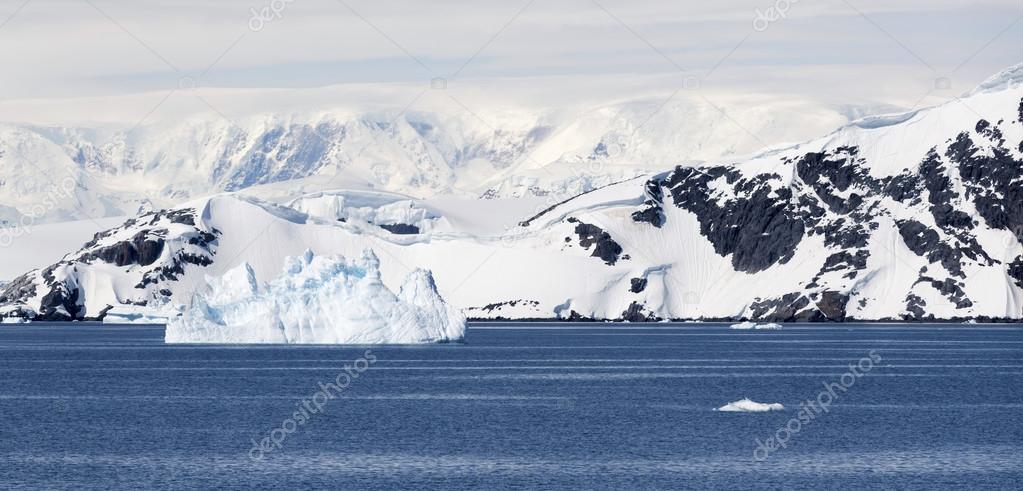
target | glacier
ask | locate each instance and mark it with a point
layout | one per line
(318, 300)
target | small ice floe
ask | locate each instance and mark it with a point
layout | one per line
(14, 320)
(970, 321)
(747, 406)
(755, 325)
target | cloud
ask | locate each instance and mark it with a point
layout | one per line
(77, 48)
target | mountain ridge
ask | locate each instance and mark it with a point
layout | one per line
(919, 218)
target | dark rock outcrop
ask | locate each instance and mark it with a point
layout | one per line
(1015, 270)
(759, 227)
(951, 289)
(637, 312)
(832, 305)
(400, 228)
(591, 235)
(829, 306)
(510, 303)
(142, 249)
(915, 308)
(652, 211)
(149, 249)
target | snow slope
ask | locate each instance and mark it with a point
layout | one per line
(910, 216)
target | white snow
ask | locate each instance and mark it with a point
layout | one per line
(37, 246)
(747, 406)
(318, 300)
(755, 325)
(367, 208)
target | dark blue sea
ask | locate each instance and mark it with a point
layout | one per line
(524, 407)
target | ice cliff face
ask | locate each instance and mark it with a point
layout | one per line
(318, 300)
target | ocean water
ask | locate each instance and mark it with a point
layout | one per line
(553, 407)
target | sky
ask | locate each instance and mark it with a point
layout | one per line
(98, 56)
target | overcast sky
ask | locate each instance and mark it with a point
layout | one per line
(863, 50)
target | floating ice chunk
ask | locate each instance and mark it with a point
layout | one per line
(130, 314)
(14, 320)
(156, 311)
(754, 325)
(318, 300)
(747, 406)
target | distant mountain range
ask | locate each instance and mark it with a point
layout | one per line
(910, 216)
(58, 173)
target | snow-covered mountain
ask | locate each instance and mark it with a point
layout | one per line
(908, 216)
(54, 173)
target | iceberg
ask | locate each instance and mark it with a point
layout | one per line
(747, 406)
(318, 300)
(754, 325)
